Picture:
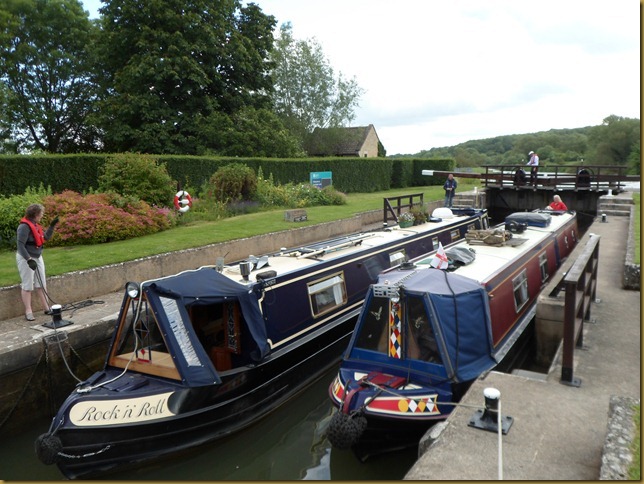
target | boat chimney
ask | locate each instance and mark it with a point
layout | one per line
(244, 269)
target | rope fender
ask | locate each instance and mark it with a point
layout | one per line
(346, 429)
(48, 446)
(49, 449)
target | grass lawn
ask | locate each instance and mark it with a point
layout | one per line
(60, 260)
(636, 228)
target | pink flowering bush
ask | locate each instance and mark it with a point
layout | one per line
(102, 217)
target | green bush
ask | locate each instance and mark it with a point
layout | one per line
(420, 214)
(136, 175)
(12, 209)
(232, 183)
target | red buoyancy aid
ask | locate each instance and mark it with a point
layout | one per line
(36, 230)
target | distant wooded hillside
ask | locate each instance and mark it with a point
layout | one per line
(614, 142)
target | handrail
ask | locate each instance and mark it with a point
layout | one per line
(580, 283)
(388, 208)
(579, 177)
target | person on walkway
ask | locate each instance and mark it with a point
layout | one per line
(450, 187)
(533, 163)
(557, 204)
(31, 266)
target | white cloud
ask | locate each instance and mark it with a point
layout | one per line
(441, 72)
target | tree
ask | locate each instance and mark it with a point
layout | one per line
(176, 70)
(613, 141)
(45, 66)
(307, 93)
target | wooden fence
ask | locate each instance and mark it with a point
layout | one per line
(580, 283)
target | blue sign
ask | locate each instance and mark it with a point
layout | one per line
(321, 179)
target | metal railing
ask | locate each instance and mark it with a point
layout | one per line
(580, 177)
(580, 283)
(392, 207)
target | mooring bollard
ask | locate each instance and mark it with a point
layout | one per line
(488, 419)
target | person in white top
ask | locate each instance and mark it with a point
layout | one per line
(533, 163)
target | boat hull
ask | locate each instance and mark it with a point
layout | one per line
(257, 392)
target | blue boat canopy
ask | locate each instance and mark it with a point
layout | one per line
(203, 286)
(459, 312)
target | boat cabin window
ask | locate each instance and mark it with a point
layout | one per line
(327, 294)
(543, 265)
(421, 342)
(520, 285)
(397, 258)
(140, 345)
(434, 242)
(455, 234)
(416, 341)
(218, 328)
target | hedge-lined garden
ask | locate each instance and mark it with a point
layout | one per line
(105, 198)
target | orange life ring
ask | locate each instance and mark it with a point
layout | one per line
(182, 201)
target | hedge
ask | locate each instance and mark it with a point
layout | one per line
(80, 173)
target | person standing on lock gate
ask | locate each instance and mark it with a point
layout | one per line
(31, 266)
(450, 188)
(533, 163)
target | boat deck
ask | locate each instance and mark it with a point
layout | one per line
(289, 260)
(489, 258)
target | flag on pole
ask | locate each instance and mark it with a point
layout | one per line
(439, 261)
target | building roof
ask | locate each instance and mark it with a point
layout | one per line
(337, 141)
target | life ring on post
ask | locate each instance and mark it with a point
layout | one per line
(182, 201)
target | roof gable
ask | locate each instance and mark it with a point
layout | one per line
(337, 141)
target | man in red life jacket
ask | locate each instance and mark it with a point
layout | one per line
(31, 266)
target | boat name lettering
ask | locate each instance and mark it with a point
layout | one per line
(109, 412)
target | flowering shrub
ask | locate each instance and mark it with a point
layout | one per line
(406, 217)
(102, 217)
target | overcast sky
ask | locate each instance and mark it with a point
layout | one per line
(438, 73)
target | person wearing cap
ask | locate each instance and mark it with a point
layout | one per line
(533, 163)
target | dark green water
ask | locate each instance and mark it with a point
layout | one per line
(289, 444)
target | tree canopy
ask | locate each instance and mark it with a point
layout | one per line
(45, 68)
(176, 70)
(615, 142)
(308, 94)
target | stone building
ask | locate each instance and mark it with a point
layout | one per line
(359, 141)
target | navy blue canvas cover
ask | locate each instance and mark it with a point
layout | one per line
(460, 316)
(206, 286)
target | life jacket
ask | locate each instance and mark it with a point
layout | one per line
(36, 230)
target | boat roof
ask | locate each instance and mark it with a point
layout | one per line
(491, 259)
(299, 258)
